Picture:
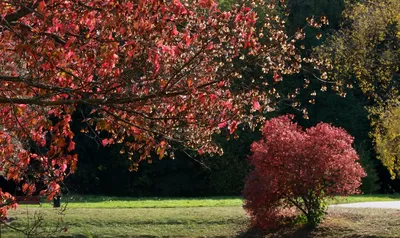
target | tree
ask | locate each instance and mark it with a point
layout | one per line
(153, 73)
(296, 169)
(387, 138)
(366, 51)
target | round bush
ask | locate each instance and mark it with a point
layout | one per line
(296, 169)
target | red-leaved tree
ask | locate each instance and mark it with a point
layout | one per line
(295, 170)
(152, 71)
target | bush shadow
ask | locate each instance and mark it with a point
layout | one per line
(295, 232)
(286, 232)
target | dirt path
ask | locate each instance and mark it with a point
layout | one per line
(384, 205)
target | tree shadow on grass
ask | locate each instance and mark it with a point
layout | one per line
(286, 232)
(297, 232)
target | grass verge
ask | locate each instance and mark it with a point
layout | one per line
(365, 198)
(101, 216)
(128, 222)
(92, 201)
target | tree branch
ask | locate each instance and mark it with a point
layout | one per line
(29, 82)
(24, 11)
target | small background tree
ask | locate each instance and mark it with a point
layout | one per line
(296, 170)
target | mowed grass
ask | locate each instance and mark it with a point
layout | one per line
(365, 198)
(100, 216)
(92, 201)
(128, 222)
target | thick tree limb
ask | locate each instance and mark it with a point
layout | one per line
(92, 101)
(24, 11)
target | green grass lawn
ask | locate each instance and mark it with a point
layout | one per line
(126, 222)
(129, 202)
(101, 216)
(91, 201)
(365, 198)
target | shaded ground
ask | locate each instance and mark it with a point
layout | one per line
(345, 222)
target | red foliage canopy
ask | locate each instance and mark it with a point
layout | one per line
(157, 71)
(292, 167)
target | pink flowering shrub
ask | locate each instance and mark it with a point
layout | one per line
(296, 170)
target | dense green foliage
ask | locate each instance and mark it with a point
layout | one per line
(365, 51)
(387, 139)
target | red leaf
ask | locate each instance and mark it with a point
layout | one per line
(71, 146)
(256, 105)
(222, 125)
(70, 40)
(105, 142)
(233, 127)
(277, 77)
(41, 6)
(174, 31)
(63, 167)
(25, 187)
